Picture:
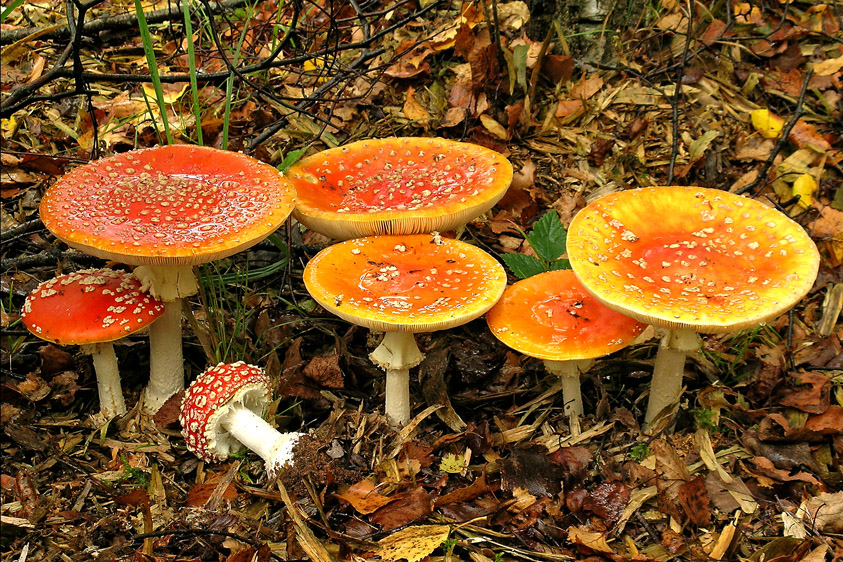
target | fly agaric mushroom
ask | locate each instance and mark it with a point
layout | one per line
(551, 317)
(404, 185)
(689, 259)
(402, 285)
(167, 209)
(92, 308)
(221, 413)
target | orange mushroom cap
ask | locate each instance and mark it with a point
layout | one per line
(397, 186)
(412, 283)
(691, 257)
(171, 205)
(89, 306)
(551, 316)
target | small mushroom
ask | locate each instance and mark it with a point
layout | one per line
(404, 185)
(689, 259)
(551, 317)
(221, 413)
(402, 285)
(92, 308)
(167, 209)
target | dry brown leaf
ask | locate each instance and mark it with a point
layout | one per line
(824, 512)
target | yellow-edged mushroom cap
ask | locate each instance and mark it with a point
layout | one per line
(405, 185)
(412, 283)
(691, 257)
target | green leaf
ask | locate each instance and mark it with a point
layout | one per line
(291, 158)
(548, 237)
(523, 266)
(559, 264)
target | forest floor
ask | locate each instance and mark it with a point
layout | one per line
(750, 468)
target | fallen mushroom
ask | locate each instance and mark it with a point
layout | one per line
(689, 259)
(550, 316)
(405, 185)
(221, 413)
(167, 209)
(92, 308)
(403, 285)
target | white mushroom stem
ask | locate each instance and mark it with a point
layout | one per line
(166, 361)
(569, 373)
(108, 378)
(257, 435)
(666, 386)
(397, 354)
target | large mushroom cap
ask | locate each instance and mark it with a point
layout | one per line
(397, 186)
(691, 257)
(208, 400)
(551, 316)
(171, 205)
(412, 283)
(89, 306)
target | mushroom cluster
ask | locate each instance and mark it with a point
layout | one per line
(167, 209)
(389, 198)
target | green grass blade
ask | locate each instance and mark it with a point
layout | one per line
(146, 38)
(191, 61)
(9, 9)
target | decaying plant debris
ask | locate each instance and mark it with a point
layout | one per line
(745, 97)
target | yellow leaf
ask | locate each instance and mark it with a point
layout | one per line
(9, 126)
(171, 92)
(805, 186)
(452, 463)
(593, 540)
(413, 110)
(766, 123)
(413, 543)
(828, 67)
(493, 127)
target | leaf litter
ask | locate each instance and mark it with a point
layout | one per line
(488, 470)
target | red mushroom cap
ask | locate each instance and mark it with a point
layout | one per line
(691, 257)
(551, 316)
(206, 402)
(397, 186)
(171, 205)
(412, 283)
(89, 306)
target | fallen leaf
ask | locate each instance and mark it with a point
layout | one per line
(364, 497)
(824, 512)
(405, 508)
(767, 124)
(413, 110)
(325, 370)
(413, 543)
(589, 539)
(828, 66)
(694, 500)
(812, 396)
